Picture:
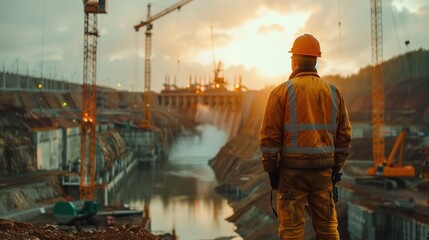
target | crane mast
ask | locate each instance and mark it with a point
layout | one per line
(89, 94)
(377, 83)
(147, 121)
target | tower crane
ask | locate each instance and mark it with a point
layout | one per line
(377, 81)
(147, 121)
(382, 166)
(89, 105)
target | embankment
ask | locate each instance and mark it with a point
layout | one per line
(15, 199)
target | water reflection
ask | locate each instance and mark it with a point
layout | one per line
(180, 192)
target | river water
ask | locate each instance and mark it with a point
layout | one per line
(180, 191)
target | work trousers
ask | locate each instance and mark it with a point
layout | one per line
(297, 187)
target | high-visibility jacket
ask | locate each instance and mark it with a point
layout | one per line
(305, 125)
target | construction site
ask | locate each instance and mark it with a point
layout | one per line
(83, 160)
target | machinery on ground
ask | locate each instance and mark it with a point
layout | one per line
(390, 168)
(69, 213)
(89, 104)
(147, 121)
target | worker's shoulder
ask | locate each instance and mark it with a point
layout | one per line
(328, 83)
(332, 86)
(280, 89)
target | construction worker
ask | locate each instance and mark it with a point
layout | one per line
(304, 139)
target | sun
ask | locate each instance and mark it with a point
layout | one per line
(262, 42)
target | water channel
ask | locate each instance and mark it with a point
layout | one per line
(180, 191)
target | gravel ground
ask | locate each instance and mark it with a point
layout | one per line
(10, 230)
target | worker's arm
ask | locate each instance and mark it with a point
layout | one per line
(271, 132)
(343, 137)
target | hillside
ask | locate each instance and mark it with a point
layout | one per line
(406, 80)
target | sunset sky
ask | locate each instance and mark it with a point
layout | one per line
(251, 37)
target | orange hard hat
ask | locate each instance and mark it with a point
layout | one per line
(306, 45)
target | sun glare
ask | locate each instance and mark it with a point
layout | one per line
(262, 43)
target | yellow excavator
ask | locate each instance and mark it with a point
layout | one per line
(391, 172)
(389, 167)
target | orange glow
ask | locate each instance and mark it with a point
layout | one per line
(262, 43)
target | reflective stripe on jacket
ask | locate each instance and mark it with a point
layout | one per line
(305, 125)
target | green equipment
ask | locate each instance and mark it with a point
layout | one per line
(68, 213)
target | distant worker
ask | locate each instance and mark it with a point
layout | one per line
(305, 139)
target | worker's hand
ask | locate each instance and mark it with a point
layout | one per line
(274, 178)
(336, 177)
(333, 176)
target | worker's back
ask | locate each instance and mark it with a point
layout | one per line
(304, 140)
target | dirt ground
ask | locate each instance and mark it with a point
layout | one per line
(43, 228)
(16, 230)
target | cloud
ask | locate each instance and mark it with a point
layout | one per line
(270, 28)
(185, 36)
